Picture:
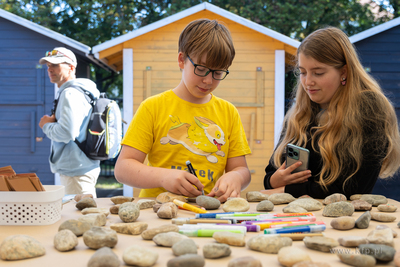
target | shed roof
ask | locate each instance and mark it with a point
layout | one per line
(190, 11)
(375, 30)
(78, 46)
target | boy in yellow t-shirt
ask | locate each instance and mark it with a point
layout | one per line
(189, 123)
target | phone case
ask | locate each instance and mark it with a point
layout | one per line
(294, 154)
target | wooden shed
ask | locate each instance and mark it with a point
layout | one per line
(255, 85)
(26, 93)
(379, 52)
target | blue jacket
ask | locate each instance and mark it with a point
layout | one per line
(72, 115)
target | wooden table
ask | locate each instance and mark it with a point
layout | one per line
(81, 254)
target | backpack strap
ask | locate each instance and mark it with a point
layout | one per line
(92, 101)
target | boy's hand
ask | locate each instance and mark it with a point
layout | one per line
(181, 183)
(229, 185)
(284, 176)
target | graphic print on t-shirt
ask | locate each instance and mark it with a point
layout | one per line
(203, 137)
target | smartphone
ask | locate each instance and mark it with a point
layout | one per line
(296, 153)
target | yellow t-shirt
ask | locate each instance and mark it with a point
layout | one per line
(172, 131)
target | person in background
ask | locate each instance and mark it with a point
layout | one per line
(189, 123)
(77, 172)
(342, 117)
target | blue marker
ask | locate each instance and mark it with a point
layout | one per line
(211, 215)
(300, 229)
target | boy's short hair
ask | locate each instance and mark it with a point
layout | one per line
(208, 36)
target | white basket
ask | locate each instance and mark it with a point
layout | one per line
(31, 208)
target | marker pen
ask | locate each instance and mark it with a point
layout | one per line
(181, 221)
(300, 229)
(211, 215)
(188, 206)
(240, 228)
(192, 171)
(205, 232)
(295, 219)
(295, 224)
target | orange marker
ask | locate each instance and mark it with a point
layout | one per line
(188, 206)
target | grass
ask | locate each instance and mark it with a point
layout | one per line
(108, 183)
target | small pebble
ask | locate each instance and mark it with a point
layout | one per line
(334, 198)
(382, 217)
(265, 206)
(184, 246)
(168, 239)
(187, 260)
(135, 228)
(245, 262)
(121, 199)
(99, 237)
(78, 197)
(361, 205)
(288, 256)
(387, 208)
(232, 239)
(321, 243)
(86, 203)
(146, 203)
(293, 209)
(236, 204)
(104, 257)
(139, 256)
(167, 210)
(256, 196)
(281, 198)
(267, 244)
(363, 221)
(216, 250)
(357, 259)
(343, 223)
(338, 209)
(352, 241)
(209, 203)
(150, 233)
(65, 240)
(128, 212)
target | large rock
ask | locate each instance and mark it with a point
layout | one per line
(169, 197)
(267, 244)
(363, 221)
(321, 243)
(167, 211)
(129, 212)
(375, 200)
(139, 256)
(209, 203)
(216, 250)
(135, 228)
(309, 204)
(185, 246)
(379, 252)
(334, 198)
(288, 256)
(168, 239)
(245, 262)
(236, 204)
(281, 198)
(256, 196)
(232, 239)
(65, 240)
(20, 247)
(150, 233)
(104, 257)
(343, 223)
(265, 205)
(76, 226)
(99, 237)
(338, 209)
(187, 260)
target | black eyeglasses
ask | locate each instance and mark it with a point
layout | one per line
(203, 71)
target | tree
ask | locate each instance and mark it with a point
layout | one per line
(93, 22)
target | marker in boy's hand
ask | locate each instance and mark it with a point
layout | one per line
(192, 171)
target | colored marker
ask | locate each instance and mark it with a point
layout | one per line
(205, 232)
(188, 206)
(295, 224)
(240, 228)
(181, 221)
(300, 229)
(295, 219)
(192, 171)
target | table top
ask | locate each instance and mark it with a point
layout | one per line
(81, 254)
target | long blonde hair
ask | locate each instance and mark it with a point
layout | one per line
(355, 107)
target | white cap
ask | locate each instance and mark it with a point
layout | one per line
(59, 55)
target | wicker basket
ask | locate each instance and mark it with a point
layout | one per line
(31, 208)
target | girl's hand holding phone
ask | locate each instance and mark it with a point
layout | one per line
(284, 176)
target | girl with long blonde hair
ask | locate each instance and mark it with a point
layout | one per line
(342, 117)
